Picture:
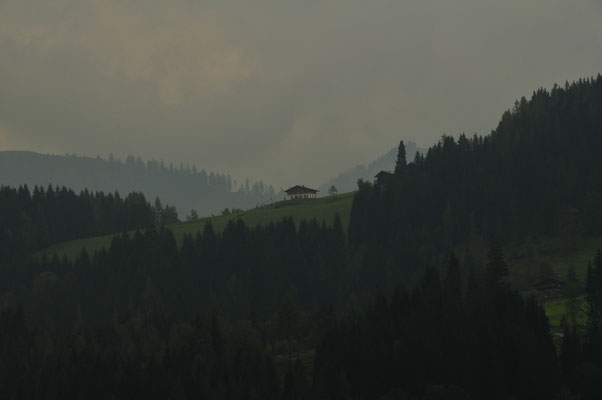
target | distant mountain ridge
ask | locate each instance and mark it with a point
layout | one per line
(346, 181)
(183, 187)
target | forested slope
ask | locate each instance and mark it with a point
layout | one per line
(538, 173)
(181, 186)
(388, 311)
(31, 220)
(322, 209)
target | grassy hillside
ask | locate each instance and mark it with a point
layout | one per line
(553, 254)
(530, 260)
(323, 209)
(527, 260)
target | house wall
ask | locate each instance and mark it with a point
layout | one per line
(302, 196)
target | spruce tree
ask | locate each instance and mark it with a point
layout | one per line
(497, 269)
(571, 292)
(453, 284)
(401, 158)
(593, 297)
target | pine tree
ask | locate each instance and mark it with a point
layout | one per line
(217, 340)
(570, 349)
(593, 290)
(401, 158)
(572, 296)
(453, 284)
(497, 269)
(158, 210)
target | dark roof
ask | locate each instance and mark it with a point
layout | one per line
(549, 283)
(383, 173)
(301, 189)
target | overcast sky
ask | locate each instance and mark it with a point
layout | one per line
(285, 91)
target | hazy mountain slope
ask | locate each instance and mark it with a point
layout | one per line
(538, 174)
(182, 187)
(346, 181)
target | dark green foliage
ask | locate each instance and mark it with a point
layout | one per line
(153, 355)
(433, 344)
(185, 187)
(346, 181)
(572, 291)
(237, 314)
(401, 162)
(238, 272)
(594, 295)
(581, 355)
(497, 269)
(30, 221)
(167, 215)
(125, 321)
(296, 385)
(571, 352)
(193, 216)
(593, 289)
(538, 173)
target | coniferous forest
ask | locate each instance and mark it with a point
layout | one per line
(182, 186)
(395, 307)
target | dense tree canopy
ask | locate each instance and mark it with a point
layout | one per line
(286, 311)
(538, 173)
(32, 220)
(182, 186)
(439, 337)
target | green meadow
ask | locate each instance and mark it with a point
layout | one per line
(323, 209)
(527, 260)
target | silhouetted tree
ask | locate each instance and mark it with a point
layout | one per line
(401, 162)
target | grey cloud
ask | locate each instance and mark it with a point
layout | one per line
(285, 91)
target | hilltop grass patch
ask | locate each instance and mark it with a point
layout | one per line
(322, 209)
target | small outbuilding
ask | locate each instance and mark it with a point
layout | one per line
(301, 192)
(546, 284)
(384, 176)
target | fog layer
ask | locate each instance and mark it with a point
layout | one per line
(288, 92)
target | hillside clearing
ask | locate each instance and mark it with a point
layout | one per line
(526, 260)
(323, 209)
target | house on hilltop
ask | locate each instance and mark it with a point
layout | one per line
(301, 192)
